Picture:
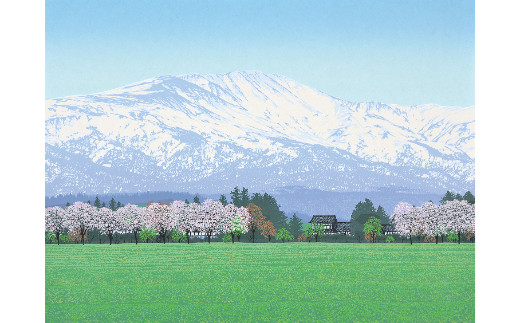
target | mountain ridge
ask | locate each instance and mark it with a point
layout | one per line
(193, 131)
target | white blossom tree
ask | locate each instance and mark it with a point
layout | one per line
(132, 217)
(405, 219)
(159, 216)
(108, 222)
(82, 217)
(434, 223)
(236, 220)
(184, 219)
(210, 218)
(55, 221)
(459, 216)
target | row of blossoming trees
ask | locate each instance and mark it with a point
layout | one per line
(206, 219)
(212, 217)
(433, 221)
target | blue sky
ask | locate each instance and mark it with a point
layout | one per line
(405, 52)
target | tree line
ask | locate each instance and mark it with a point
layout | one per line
(178, 220)
(258, 214)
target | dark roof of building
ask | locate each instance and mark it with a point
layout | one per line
(343, 226)
(323, 219)
(388, 227)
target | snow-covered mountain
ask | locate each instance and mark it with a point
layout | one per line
(209, 133)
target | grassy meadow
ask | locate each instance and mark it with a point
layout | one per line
(244, 282)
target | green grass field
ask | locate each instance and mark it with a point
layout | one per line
(291, 282)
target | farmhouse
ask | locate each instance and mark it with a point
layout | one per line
(389, 229)
(332, 226)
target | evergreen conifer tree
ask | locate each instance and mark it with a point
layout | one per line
(362, 212)
(112, 204)
(196, 199)
(381, 215)
(235, 197)
(186, 201)
(449, 196)
(244, 197)
(223, 200)
(295, 225)
(97, 202)
(470, 198)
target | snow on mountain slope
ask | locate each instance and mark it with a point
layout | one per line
(208, 133)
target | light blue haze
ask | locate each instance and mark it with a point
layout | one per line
(404, 52)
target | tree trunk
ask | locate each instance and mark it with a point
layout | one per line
(188, 236)
(436, 239)
(442, 238)
(58, 237)
(232, 238)
(459, 236)
(410, 240)
(110, 238)
(135, 236)
(253, 235)
(316, 238)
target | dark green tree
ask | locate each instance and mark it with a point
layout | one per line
(97, 202)
(449, 196)
(235, 197)
(360, 215)
(381, 215)
(196, 199)
(186, 201)
(458, 197)
(103, 204)
(295, 225)
(244, 197)
(470, 198)
(88, 202)
(67, 205)
(112, 204)
(119, 205)
(223, 200)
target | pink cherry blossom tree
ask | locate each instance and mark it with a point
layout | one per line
(434, 223)
(459, 216)
(210, 218)
(159, 216)
(82, 217)
(184, 219)
(405, 218)
(108, 222)
(132, 218)
(55, 221)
